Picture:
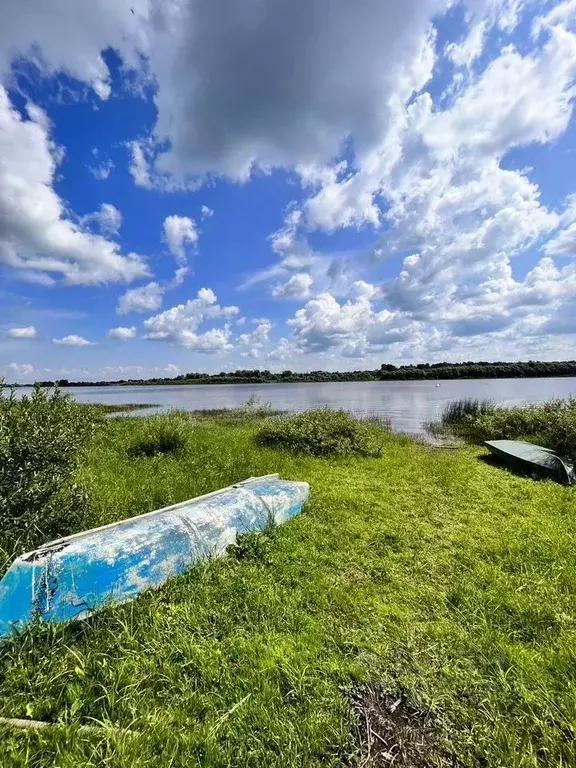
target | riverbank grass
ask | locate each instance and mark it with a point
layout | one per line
(442, 586)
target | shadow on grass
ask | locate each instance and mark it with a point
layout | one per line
(494, 461)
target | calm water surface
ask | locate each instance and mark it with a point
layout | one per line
(408, 404)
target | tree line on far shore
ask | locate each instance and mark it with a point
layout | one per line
(386, 372)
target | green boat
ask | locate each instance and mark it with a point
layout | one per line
(532, 459)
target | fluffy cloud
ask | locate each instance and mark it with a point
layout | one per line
(29, 332)
(206, 212)
(122, 333)
(147, 298)
(515, 101)
(139, 164)
(73, 341)
(354, 327)
(257, 340)
(286, 349)
(107, 219)
(361, 289)
(179, 324)
(179, 230)
(296, 287)
(35, 234)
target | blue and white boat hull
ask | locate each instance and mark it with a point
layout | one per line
(71, 577)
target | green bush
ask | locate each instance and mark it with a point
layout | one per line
(159, 437)
(42, 436)
(320, 433)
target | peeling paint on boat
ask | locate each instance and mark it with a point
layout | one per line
(69, 578)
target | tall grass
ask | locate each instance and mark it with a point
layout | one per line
(460, 410)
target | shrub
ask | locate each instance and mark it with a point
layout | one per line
(158, 437)
(320, 433)
(42, 436)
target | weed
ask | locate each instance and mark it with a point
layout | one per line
(254, 545)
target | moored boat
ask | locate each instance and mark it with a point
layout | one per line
(532, 459)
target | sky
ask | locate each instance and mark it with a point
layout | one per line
(313, 184)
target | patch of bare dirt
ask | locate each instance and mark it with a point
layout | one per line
(394, 734)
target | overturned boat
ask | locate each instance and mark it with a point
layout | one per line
(532, 459)
(71, 577)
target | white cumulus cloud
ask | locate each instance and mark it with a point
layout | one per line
(255, 342)
(180, 324)
(29, 332)
(147, 298)
(71, 36)
(180, 231)
(122, 333)
(296, 287)
(36, 236)
(73, 341)
(355, 327)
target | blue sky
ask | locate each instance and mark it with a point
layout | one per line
(307, 185)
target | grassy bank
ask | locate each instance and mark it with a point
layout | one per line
(429, 576)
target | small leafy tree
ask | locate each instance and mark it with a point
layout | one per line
(42, 436)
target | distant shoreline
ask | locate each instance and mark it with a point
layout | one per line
(422, 372)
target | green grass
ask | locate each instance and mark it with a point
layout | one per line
(433, 574)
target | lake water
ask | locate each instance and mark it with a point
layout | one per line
(408, 404)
